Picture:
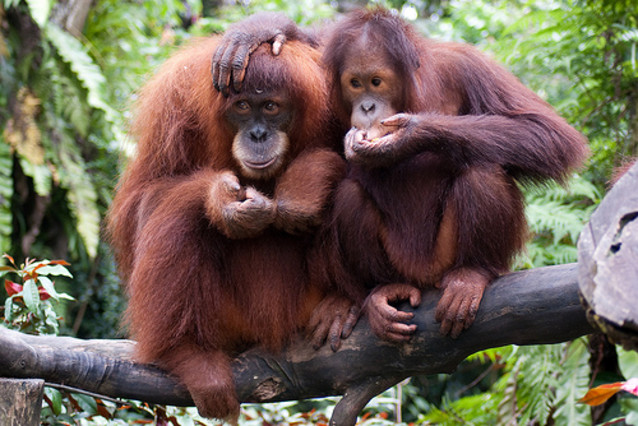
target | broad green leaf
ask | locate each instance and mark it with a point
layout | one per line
(40, 10)
(50, 318)
(628, 362)
(31, 296)
(47, 284)
(8, 309)
(56, 400)
(65, 296)
(87, 403)
(54, 270)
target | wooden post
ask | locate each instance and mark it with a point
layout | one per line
(20, 401)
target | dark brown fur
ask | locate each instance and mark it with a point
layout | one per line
(196, 295)
(436, 202)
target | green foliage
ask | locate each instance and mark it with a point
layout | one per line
(472, 410)
(28, 307)
(589, 50)
(61, 113)
(538, 385)
(556, 215)
(573, 380)
(628, 363)
(6, 193)
(40, 10)
(62, 99)
(129, 39)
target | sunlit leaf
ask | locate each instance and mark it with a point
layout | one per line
(41, 175)
(47, 286)
(628, 362)
(54, 270)
(40, 10)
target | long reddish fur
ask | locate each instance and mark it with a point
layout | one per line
(196, 296)
(482, 131)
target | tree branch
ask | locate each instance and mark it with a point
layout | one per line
(527, 307)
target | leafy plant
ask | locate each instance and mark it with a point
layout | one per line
(556, 215)
(28, 307)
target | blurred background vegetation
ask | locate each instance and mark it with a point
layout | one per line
(69, 68)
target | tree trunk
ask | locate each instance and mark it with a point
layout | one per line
(20, 402)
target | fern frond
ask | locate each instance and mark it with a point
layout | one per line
(40, 10)
(573, 383)
(6, 193)
(81, 193)
(75, 54)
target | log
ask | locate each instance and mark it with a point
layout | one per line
(20, 402)
(527, 307)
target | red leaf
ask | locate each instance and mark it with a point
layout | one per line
(101, 409)
(12, 288)
(59, 262)
(10, 258)
(44, 295)
(600, 394)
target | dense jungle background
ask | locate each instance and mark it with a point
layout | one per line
(68, 71)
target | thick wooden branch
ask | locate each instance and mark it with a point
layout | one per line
(527, 307)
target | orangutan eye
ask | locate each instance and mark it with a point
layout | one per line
(376, 82)
(241, 106)
(355, 83)
(271, 107)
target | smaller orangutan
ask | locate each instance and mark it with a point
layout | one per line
(440, 139)
(214, 217)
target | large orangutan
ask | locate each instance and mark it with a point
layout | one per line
(440, 138)
(214, 216)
